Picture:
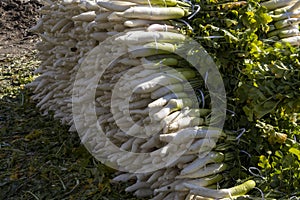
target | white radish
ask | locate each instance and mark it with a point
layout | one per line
(173, 105)
(124, 177)
(162, 27)
(211, 157)
(236, 191)
(162, 91)
(295, 40)
(164, 100)
(274, 4)
(184, 122)
(86, 16)
(153, 13)
(142, 37)
(118, 6)
(210, 169)
(202, 145)
(287, 22)
(286, 15)
(154, 2)
(137, 186)
(164, 79)
(140, 23)
(178, 185)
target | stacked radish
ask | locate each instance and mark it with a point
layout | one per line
(159, 121)
(144, 104)
(69, 29)
(286, 19)
(64, 29)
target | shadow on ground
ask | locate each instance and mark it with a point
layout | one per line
(39, 158)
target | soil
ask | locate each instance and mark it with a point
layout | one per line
(16, 18)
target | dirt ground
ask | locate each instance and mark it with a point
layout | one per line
(16, 17)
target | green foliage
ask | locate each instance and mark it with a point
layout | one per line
(15, 73)
(263, 89)
(270, 81)
(281, 169)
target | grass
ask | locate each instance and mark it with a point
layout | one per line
(39, 158)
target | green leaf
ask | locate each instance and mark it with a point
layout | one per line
(279, 154)
(295, 152)
(264, 162)
(262, 109)
(249, 113)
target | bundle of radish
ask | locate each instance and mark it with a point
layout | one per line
(71, 28)
(64, 30)
(160, 119)
(144, 105)
(286, 18)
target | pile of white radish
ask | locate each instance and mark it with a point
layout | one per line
(154, 93)
(65, 29)
(286, 20)
(71, 28)
(159, 119)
